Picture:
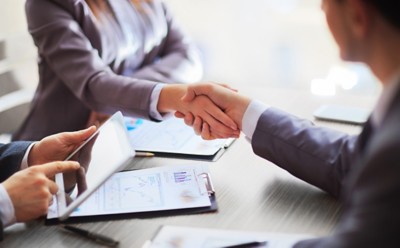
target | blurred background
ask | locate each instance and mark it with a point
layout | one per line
(252, 43)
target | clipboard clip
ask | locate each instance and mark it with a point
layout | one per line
(208, 183)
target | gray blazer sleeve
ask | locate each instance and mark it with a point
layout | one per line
(316, 155)
(11, 156)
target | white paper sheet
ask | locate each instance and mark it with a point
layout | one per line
(170, 136)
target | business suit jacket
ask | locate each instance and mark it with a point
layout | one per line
(364, 171)
(86, 64)
(11, 156)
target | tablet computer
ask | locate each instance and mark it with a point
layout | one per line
(345, 114)
(107, 151)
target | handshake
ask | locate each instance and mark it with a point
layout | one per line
(213, 110)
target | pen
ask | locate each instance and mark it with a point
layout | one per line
(93, 236)
(248, 245)
(144, 154)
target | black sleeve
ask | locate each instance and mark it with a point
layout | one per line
(11, 156)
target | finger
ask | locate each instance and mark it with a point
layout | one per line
(220, 135)
(227, 86)
(217, 135)
(216, 124)
(197, 124)
(53, 188)
(179, 114)
(205, 134)
(219, 115)
(78, 136)
(189, 119)
(50, 169)
(81, 180)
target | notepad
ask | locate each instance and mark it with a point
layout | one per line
(173, 138)
(148, 190)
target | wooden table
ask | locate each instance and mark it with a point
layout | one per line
(252, 193)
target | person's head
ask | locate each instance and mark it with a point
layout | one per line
(357, 24)
(389, 9)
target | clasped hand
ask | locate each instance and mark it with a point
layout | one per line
(225, 101)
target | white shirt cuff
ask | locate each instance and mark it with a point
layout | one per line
(24, 163)
(155, 96)
(7, 208)
(251, 116)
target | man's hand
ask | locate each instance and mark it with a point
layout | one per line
(31, 190)
(57, 147)
(230, 102)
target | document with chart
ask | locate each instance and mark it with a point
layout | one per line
(174, 138)
(147, 190)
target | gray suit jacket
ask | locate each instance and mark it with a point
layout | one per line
(10, 161)
(88, 64)
(364, 171)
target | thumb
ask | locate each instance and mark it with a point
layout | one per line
(228, 87)
(190, 94)
(79, 136)
(194, 90)
(50, 169)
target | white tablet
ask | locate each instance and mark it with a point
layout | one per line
(104, 153)
(344, 114)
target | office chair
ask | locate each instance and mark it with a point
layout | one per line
(14, 99)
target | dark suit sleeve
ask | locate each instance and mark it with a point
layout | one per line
(316, 155)
(371, 217)
(1, 229)
(11, 156)
(369, 183)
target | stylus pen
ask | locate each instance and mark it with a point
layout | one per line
(144, 154)
(93, 236)
(248, 245)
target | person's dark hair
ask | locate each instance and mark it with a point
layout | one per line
(389, 9)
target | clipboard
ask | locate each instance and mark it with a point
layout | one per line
(172, 138)
(203, 177)
(211, 158)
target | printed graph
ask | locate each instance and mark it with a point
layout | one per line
(142, 191)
